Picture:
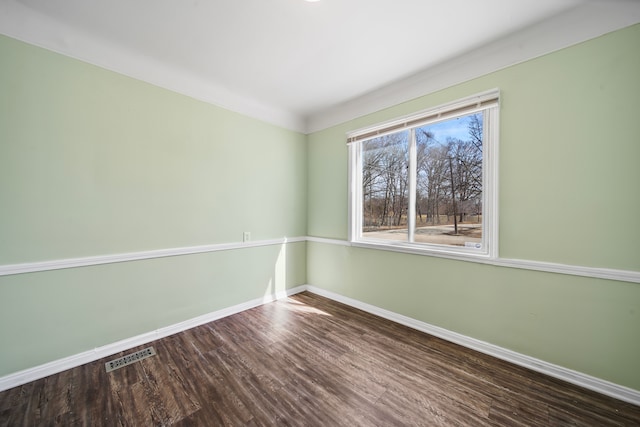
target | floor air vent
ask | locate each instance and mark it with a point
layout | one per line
(129, 359)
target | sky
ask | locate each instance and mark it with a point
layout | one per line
(455, 128)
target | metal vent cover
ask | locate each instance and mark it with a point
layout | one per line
(129, 359)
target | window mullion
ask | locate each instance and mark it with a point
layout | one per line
(388, 166)
(355, 192)
(411, 208)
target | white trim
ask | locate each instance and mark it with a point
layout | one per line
(355, 185)
(56, 366)
(30, 26)
(413, 186)
(487, 102)
(460, 253)
(491, 178)
(471, 104)
(573, 270)
(328, 241)
(601, 386)
(31, 267)
(592, 383)
(586, 21)
(549, 267)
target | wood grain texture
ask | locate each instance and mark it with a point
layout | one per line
(308, 361)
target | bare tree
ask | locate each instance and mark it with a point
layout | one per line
(431, 169)
(385, 181)
(449, 177)
(467, 164)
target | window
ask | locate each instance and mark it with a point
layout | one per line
(428, 182)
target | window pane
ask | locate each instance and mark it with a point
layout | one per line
(385, 162)
(449, 182)
(430, 186)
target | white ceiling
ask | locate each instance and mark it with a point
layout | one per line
(306, 66)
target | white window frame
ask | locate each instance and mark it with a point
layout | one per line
(487, 102)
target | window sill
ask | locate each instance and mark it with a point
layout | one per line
(458, 253)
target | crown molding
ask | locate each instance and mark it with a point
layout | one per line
(589, 20)
(584, 22)
(27, 25)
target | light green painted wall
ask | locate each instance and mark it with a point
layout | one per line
(96, 163)
(569, 174)
(92, 163)
(50, 315)
(588, 325)
(568, 155)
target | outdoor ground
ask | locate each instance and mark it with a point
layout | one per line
(438, 234)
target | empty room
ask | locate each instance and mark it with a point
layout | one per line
(323, 213)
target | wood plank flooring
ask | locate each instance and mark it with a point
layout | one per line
(308, 361)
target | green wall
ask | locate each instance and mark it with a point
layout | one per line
(96, 163)
(569, 175)
(46, 316)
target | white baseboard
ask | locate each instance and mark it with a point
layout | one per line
(601, 386)
(56, 366)
(592, 383)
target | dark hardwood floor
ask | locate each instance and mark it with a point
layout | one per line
(308, 361)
